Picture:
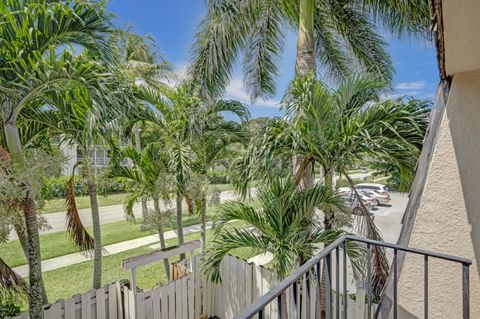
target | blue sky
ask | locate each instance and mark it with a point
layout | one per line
(173, 23)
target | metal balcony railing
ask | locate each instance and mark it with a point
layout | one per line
(333, 309)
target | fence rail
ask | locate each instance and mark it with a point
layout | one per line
(312, 271)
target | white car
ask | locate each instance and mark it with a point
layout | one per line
(377, 198)
(379, 188)
(352, 201)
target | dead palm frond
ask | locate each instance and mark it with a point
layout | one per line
(75, 227)
(10, 281)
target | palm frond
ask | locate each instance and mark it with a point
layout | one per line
(75, 228)
(10, 281)
(265, 44)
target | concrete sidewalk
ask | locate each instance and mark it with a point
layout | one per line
(76, 258)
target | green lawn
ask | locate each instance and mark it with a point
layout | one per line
(58, 244)
(58, 204)
(64, 282)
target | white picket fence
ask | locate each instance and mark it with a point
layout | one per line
(103, 303)
(243, 283)
(179, 299)
(192, 298)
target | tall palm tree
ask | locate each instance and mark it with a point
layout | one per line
(86, 123)
(183, 119)
(149, 177)
(143, 65)
(31, 66)
(337, 127)
(339, 35)
(212, 144)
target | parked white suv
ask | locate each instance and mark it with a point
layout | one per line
(379, 188)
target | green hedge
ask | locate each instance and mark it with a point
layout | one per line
(56, 187)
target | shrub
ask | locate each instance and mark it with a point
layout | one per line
(9, 307)
(218, 177)
(56, 187)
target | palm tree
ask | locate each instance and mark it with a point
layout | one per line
(30, 66)
(286, 225)
(338, 35)
(338, 127)
(149, 177)
(142, 66)
(212, 144)
(86, 123)
(183, 119)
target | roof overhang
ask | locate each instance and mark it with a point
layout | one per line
(457, 35)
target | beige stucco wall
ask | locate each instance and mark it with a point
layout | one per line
(448, 218)
(462, 40)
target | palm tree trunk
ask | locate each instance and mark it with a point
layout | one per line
(161, 236)
(22, 236)
(305, 64)
(328, 176)
(203, 231)
(181, 240)
(138, 147)
(97, 244)
(37, 287)
(328, 221)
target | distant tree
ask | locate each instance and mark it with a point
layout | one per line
(149, 177)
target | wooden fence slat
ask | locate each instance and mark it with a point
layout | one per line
(178, 298)
(131, 303)
(149, 308)
(86, 306)
(140, 299)
(119, 301)
(248, 284)
(54, 311)
(126, 299)
(112, 302)
(184, 299)
(360, 304)
(164, 302)
(171, 300)
(257, 284)
(156, 295)
(70, 308)
(100, 303)
(304, 296)
(265, 288)
(191, 297)
(231, 287)
(199, 294)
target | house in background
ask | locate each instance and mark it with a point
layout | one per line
(99, 155)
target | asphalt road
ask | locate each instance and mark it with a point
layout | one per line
(115, 213)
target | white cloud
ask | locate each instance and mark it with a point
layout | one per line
(415, 86)
(236, 91)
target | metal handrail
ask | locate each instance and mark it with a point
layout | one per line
(275, 293)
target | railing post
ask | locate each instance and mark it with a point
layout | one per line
(319, 292)
(328, 297)
(466, 291)
(345, 292)
(369, 281)
(337, 283)
(295, 300)
(425, 286)
(279, 305)
(395, 285)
